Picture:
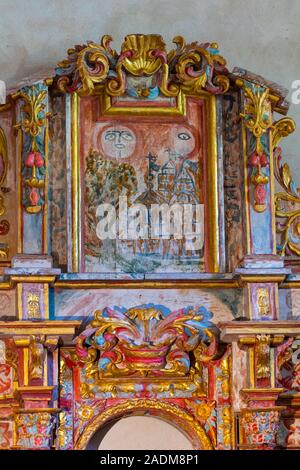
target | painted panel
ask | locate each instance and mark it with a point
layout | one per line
(147, 163)
(66, 304)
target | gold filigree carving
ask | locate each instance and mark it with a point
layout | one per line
(192, 67)
(33, 109)
(34, 311)
(87, 64)
(263, 301)
(36, 357)
(258, 116)
(85, 412)
(258, 119)
(287, 209)
(34, 123)
(262, 353)
(282, 128)
(225, 377)
(173, 413)
(226, 425)
(63, 431)
(141, 344)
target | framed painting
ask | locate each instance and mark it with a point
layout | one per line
(144, 165)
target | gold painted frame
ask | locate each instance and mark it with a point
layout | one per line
(108, 108)
(212, 229)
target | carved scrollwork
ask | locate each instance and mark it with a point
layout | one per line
(258, 119)
(262, 351)
(142, 343)
(168, 411)
(86, 66)
(282, 128)
(33, 123)
(287, 209)
(287, 202)
(143, 69)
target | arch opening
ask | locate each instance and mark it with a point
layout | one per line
(139, 433)
(182, 422)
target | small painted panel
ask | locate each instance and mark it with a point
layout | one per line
(33, 301)
(34, 430)
(58, 183)
(263, 301)
(289, 304)
(225, 304)
(233, 180)
(7, 304)
(259, 428)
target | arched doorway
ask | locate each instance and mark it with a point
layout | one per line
(174, 416)
(139, 433)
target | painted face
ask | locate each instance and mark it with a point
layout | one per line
(118, 142)
(183, 141)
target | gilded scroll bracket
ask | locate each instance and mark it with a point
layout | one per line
(143, 69)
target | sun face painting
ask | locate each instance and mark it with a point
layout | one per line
(144, 195)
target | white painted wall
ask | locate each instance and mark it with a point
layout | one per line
(144, 433)
(262, 36)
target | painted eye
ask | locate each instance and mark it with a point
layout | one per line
(184, 136)
(127, 136)
(111, 135)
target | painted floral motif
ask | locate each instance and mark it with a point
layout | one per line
(260, 427)
(34, 430)
(206, 414)
(146, 339)
(33, 124)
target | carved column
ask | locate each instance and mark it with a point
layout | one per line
(262, 269)
(29, 412)
(33, 140)
(32, 274)
(260, 408)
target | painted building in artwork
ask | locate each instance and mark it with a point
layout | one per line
(103, 314)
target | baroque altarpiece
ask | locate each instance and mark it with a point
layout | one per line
(105, 315)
